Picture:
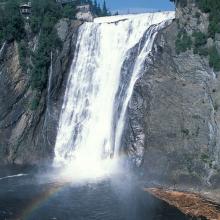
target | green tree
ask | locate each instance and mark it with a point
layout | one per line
(200, 39)
(69, 11)
(11, 22)
(213, 8)
(104, 9)
(214, 59)
(183, 42)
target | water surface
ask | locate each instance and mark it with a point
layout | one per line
(36, 196)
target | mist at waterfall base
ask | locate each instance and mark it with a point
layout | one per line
(31, 194)
(89, 179)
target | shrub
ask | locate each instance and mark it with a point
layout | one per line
(204, 5)
(34, 103)
(213, 8)
(35, 23)
(11, 22)
(214, 59)
(23, 52)
(185, 131)
(204, 157)
(203, 52)
(183, 42)
(197, 15)
(200, 39)
(69, 11)
(45, 14)
(214, 27)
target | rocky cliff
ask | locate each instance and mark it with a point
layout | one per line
(26, 136)
(172, 127)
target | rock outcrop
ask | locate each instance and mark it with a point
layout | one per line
(172, 127)
(84, 13)
(28, 137)
(190, 204)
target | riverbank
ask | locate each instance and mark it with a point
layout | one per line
(192, 204)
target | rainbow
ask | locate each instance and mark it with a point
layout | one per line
(40, 200)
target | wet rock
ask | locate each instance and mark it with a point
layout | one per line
(174, 114)
(28, 137)
(217, 39)
(189, 203)
(62, 29)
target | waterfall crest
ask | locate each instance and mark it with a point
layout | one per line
(89, 132)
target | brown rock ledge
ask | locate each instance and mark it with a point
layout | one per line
(189, 203)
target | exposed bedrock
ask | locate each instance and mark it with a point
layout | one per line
(28, 137)
(172, 125)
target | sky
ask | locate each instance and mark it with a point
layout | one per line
(139, 5)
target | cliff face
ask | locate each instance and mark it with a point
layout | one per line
(29, 136)
(172, 128)
(172, 125)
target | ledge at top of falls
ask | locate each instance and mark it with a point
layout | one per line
(158, 16)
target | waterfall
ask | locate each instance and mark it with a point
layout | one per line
(48, 114)
(50, 81)
(2, 48)
(89, 132)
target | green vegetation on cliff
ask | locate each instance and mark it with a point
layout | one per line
(45, 15)
(24, 52)
(214, 58)
(198, 40)
(11, 22)
(12, 27)
(213, 8)
(183, 42)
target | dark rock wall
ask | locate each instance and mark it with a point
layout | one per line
(172, 127)
(29, 136)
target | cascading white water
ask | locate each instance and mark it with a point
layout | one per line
(89, 132)
(2, 48)
(46, 127)
(50, 77)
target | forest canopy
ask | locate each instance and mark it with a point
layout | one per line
(43, 11)
(44, 16)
